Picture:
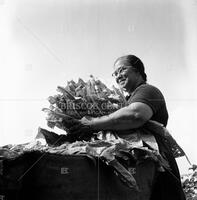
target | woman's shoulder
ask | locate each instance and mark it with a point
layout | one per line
(148, 88)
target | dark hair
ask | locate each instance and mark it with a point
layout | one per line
(135, 62)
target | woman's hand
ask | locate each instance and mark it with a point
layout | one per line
(82, 128)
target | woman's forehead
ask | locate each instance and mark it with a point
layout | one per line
(121, 63)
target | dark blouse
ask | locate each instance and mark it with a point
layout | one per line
(153, 97)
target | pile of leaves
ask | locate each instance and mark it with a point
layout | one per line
(189, 183)
(90, 99)
(78, 99)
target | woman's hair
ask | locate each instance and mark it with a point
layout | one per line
(135, 62)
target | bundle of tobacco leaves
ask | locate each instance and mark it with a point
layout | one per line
(189, 183)
(76, 100)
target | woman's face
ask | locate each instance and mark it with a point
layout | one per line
(126, 76)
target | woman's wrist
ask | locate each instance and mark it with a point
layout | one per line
(101, 123)
(93, 124)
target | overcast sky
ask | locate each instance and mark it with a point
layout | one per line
(45, 43)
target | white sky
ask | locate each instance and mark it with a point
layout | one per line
(45, 43)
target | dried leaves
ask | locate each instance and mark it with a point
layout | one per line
(189, 182)
(76, 100)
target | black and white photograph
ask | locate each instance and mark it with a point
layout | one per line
(98, 99)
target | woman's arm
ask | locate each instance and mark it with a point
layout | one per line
(129, 117)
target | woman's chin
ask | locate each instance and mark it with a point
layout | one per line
(123, 86)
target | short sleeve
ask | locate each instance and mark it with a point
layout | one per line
(149, 95)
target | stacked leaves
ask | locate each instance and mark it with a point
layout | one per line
(189, 182)
(76, 100)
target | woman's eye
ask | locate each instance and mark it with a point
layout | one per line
(122, 69)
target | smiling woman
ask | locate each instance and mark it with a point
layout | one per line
(129, 72)
(129, 61)
(145, 103)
